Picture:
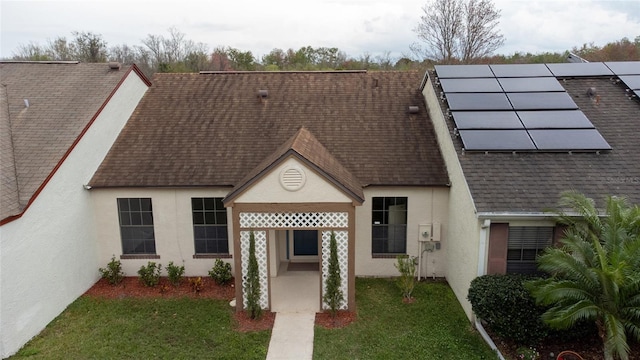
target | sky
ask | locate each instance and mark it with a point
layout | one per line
(356, 27)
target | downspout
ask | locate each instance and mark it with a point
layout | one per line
(482, 260)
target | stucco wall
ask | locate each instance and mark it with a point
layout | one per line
(425, 206)
(49, 256)
(464, 227)
(173, 227)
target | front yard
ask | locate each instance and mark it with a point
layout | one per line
(433, 327)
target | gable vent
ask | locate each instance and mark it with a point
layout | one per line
(292, 178)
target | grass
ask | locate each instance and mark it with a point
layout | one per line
(180, 328)
(433, 327)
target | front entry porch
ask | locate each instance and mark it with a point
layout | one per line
(296, 288)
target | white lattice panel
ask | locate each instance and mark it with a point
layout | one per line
(342, 242)
(294, 220)
(261, 255)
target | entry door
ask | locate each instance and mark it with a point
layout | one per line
(305, 242)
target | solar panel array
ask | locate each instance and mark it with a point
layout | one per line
(524, 107)
(629, 73)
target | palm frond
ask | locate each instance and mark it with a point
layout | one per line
(615, 344)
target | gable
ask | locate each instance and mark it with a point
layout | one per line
(46, 109)
(292, 181)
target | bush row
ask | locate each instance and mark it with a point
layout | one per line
(149, 274)
(509, 310)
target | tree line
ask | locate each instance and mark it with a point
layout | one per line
(174, 52)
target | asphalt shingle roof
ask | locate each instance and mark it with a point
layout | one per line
(62, 99)
(214, 129)
(532, 182)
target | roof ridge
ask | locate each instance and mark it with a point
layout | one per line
(205, 72)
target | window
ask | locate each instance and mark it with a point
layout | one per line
(210, 226)
(389, 227)
(524, 245)
(136, 226)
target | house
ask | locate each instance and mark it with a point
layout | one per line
(513, 138)
(57, 122)
(292, 157)
(455, 167)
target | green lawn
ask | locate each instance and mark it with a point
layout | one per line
(181, 328)
(434, 327)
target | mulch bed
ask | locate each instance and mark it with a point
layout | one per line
(342, 319)
(590, 348)
(131, 287)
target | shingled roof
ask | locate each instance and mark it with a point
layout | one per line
(214, 129)
(44, 107)
(524, 182)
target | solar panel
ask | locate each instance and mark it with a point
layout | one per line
(478, 101)
(486, 120)
(579, 69)
(541, 101)
(520, 70)
(632, 81)
(569, 140)
(624, 67)
(470, 85)
(530, 84)
(463, 71)
(496, 140)
(637, 92)
(557, 119)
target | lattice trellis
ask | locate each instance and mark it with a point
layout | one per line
(294, 220)
(342, 240)
(261, 255)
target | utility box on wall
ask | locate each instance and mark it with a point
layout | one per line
(431, 233)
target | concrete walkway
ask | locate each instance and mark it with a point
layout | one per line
(292, 336)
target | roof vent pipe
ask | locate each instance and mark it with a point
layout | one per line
(114, 65)
(263, 93)
(26, 103)
(414, 109)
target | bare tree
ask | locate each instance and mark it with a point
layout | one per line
(458, 31)
(89, 47)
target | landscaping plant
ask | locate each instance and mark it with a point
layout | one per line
(113, 272)
(150, 275)
(196, 284)
(175, 273)
(252, 283)
(221, 272)
(503, 303)
(595, 272)
(406, 265)
(333, 295)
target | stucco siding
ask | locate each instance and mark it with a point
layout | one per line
(173, 227)
(49, 256)
(464, 227)
(425, 206)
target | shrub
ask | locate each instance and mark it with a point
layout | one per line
(175, 273)
(406, 265)
(252, 287)
(150, 275)
(507, 307)
(333, 295)
(196, 284)
(221, 272)
(113, 272)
